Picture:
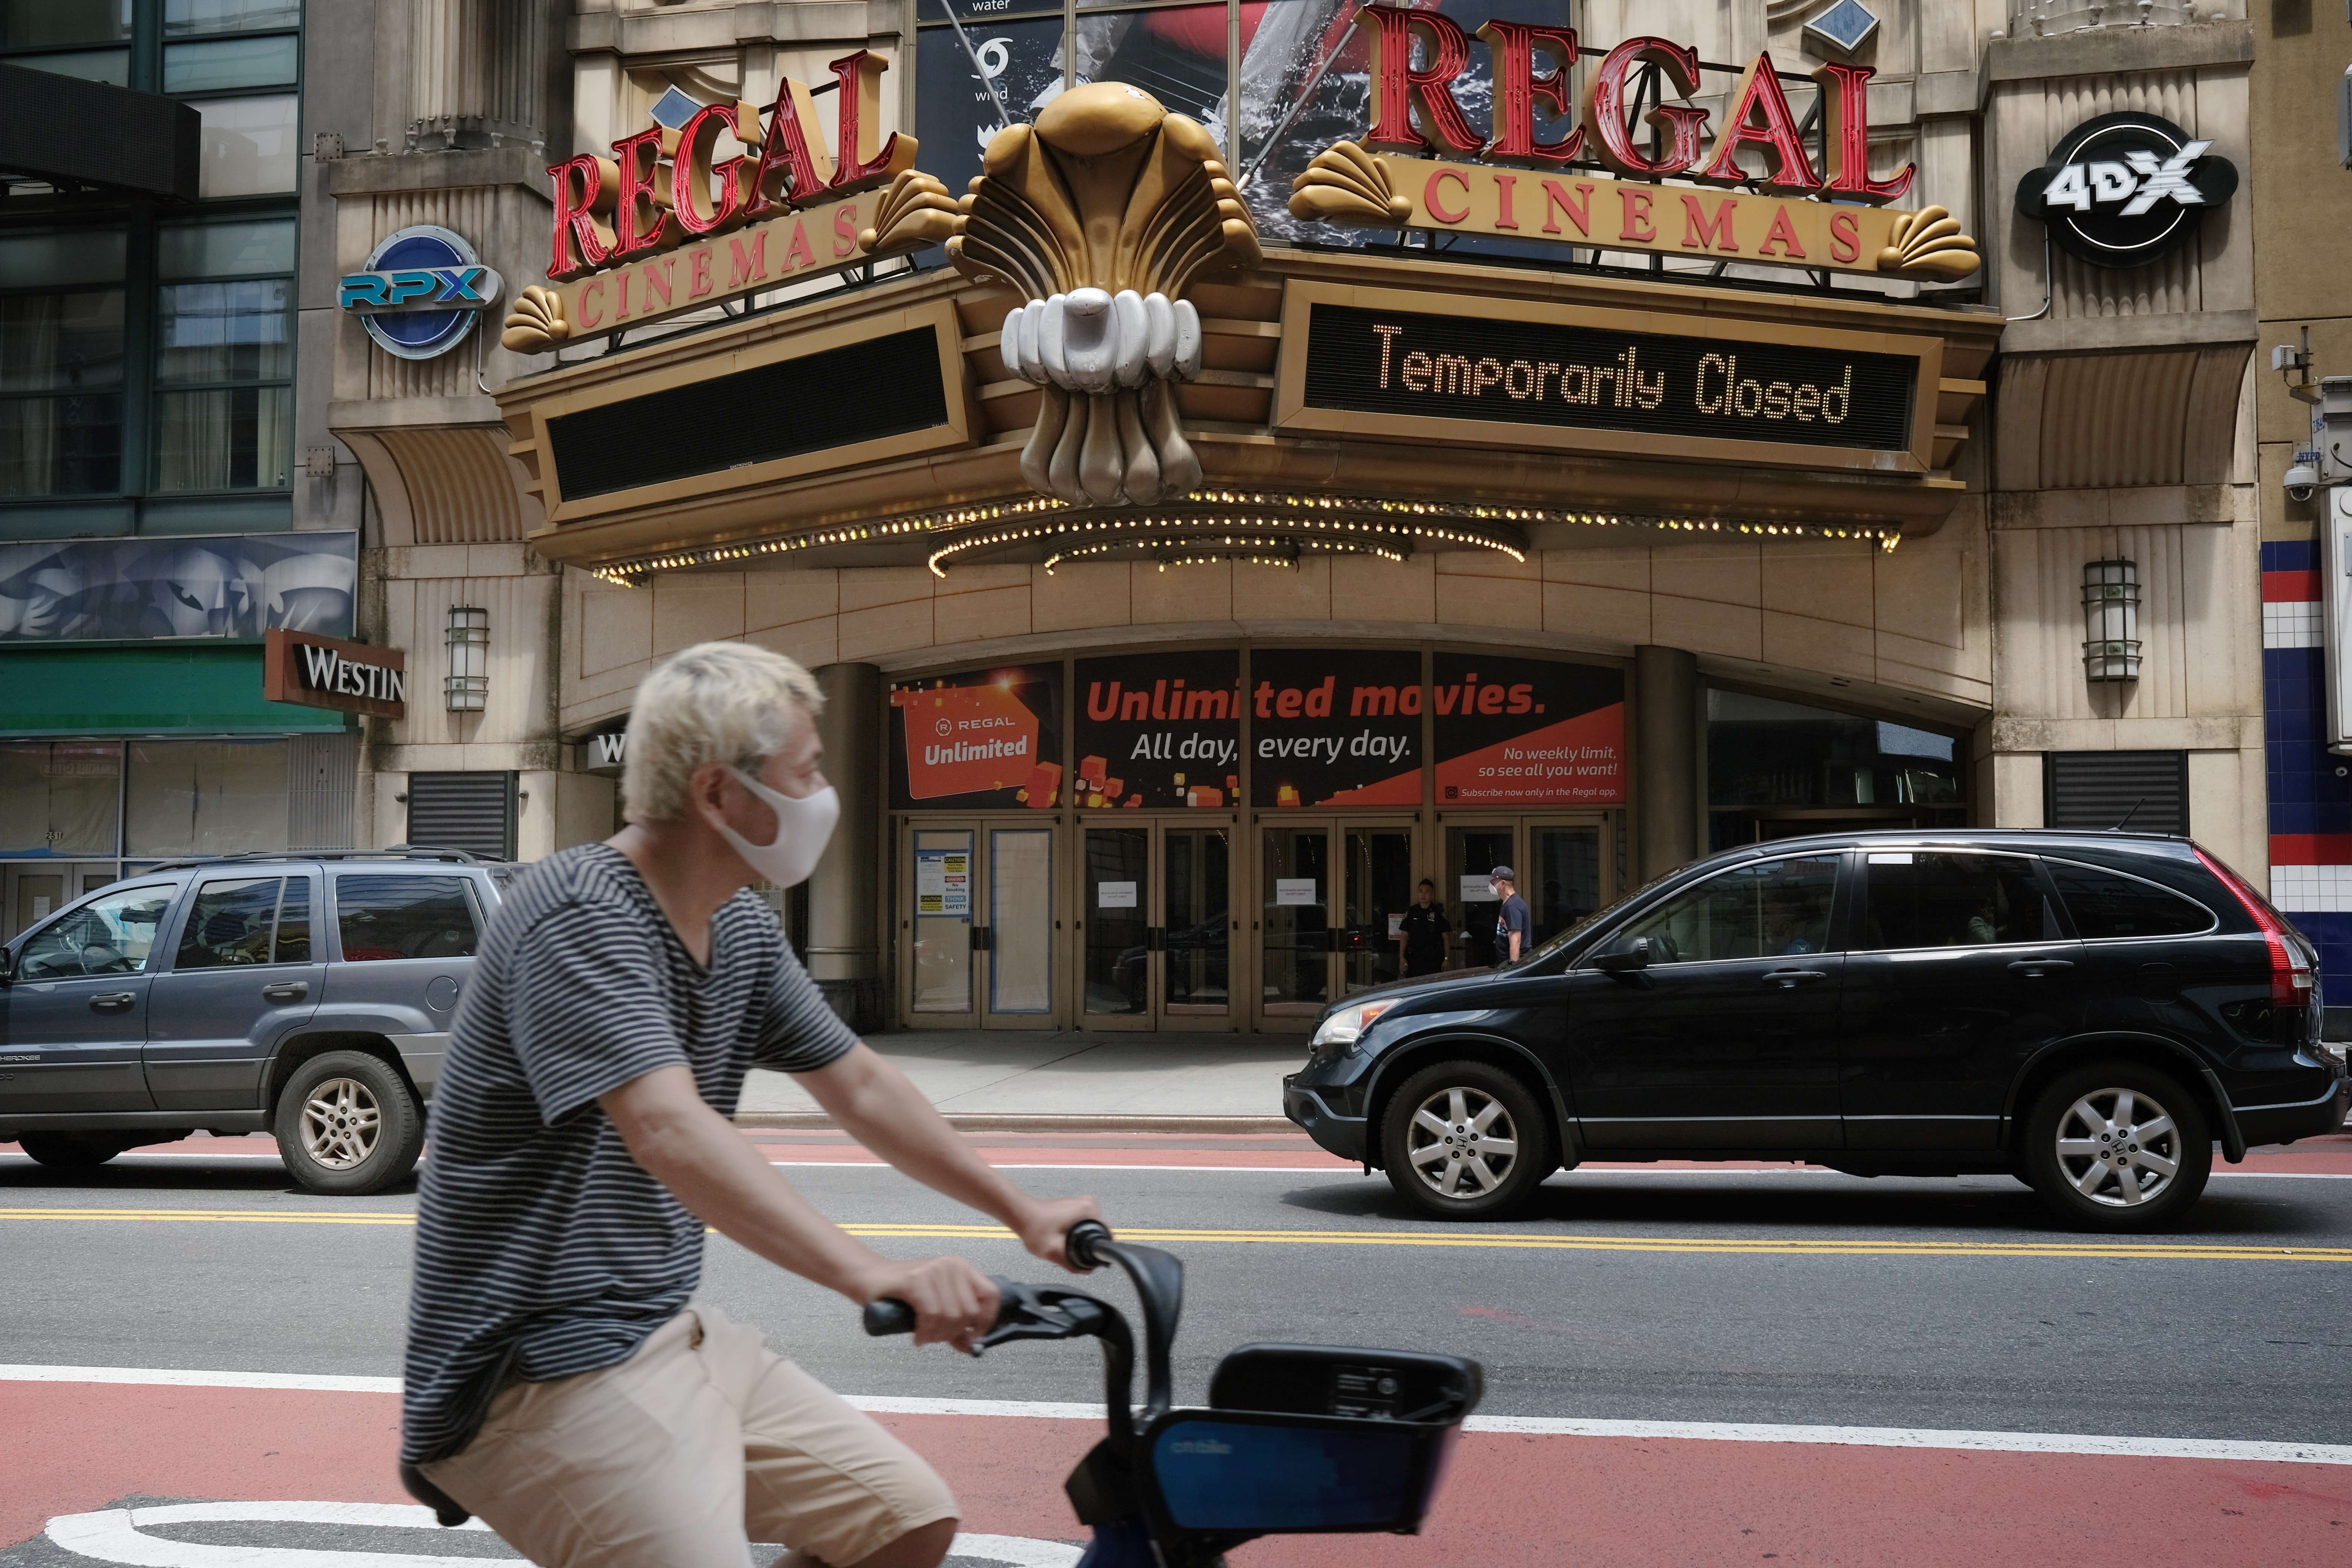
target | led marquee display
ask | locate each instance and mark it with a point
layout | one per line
(1537, 373)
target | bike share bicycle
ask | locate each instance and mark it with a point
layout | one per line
(1297, 1440)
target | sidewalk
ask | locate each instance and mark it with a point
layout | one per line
(1004, 1081)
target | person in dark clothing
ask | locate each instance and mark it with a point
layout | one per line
(1423, 938)
(1510, 916)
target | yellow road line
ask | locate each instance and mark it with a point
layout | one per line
(1490, 1240)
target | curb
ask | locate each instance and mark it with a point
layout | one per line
(1001, 1121)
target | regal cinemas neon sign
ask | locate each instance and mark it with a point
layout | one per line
(1796, 212)
(668, 225)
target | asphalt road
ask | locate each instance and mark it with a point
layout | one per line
(1710, 1297)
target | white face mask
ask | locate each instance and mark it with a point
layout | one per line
(802, 828)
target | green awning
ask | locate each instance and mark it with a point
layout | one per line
(145, 690)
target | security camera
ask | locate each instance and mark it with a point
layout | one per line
(2302, 479)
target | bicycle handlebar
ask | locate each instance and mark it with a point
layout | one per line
(891, 1316)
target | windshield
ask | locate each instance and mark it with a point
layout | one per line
(1587, 923)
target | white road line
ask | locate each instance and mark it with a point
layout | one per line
(1309, 1170)
(1517, 1426)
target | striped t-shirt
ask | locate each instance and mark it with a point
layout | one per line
(542, 1250)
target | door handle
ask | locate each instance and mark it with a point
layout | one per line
(1790, 979)
(2034, 968)
(114, 1001)
(286, 990)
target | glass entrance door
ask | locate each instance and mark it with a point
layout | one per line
(1156, 938)
(1472, 851)
(1295, 903)
(981, 923)
(1377, 887)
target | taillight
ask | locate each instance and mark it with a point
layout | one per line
(2290, 972)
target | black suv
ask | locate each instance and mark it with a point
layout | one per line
(2088, 1012)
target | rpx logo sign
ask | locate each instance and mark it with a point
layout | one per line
(2124, 190)
(421, 288)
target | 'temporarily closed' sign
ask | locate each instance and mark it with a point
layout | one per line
(1534, 372)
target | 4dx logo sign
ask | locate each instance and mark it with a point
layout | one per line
(2124, 190)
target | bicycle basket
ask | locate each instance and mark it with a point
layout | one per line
(1258, 1472)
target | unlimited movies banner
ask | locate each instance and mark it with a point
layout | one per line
(1527, 731)
(1159, 729)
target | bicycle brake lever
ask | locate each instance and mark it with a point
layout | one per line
(1041, 1313)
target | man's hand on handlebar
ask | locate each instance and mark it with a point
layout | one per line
(954, 1302)
(1046, 1228)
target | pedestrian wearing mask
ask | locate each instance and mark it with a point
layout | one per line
(560, 1383)
(1421, 935)
(1510, 916)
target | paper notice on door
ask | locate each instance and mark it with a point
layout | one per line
(1115, 895)
(41, 907)
(1474, 890)
(1295, 893)
(943, 882)
(1396, 925)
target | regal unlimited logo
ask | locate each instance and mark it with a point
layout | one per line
(971, 739)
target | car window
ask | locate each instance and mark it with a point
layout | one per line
(385, 917)
(1940, 899)
(112, 935)
(2108, 904)
(1758, 910)
(230, 923)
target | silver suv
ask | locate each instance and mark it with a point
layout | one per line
(309, 996)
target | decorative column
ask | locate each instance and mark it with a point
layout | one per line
(845, 954)
(1666, 758)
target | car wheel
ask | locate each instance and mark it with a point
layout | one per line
(347, 1123)
(2118, 1146)
(1466, 1141)
(70, 1150)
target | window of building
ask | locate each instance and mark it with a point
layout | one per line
(224, 356)
(59, 797)
(61, 350)
(1774, 768)
(145, 351)
(381, 917)
(205, 797)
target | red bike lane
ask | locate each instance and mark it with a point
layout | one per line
(69, 1447)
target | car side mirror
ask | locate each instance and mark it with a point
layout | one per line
(1633, 953)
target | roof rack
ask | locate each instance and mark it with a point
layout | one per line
(394, 852)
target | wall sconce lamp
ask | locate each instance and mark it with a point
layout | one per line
(469, 685)
(2111, 620)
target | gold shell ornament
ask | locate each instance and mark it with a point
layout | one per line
(536, 324)
(916, 211)
(1102, 214)
(1347, 184)
(1929, 244)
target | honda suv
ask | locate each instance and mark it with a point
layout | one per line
(307, 996)
(2088, 1012)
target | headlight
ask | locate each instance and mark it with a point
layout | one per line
(1338, 1035)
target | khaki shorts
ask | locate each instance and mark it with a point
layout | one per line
(703, 1440)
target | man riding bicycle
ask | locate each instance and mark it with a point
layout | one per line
(559, 1382)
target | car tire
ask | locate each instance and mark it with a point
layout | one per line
(1448, 1164)
(2102, 1164)
(347, 1124)
(70, 1150)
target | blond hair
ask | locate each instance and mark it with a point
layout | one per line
(715, 702)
